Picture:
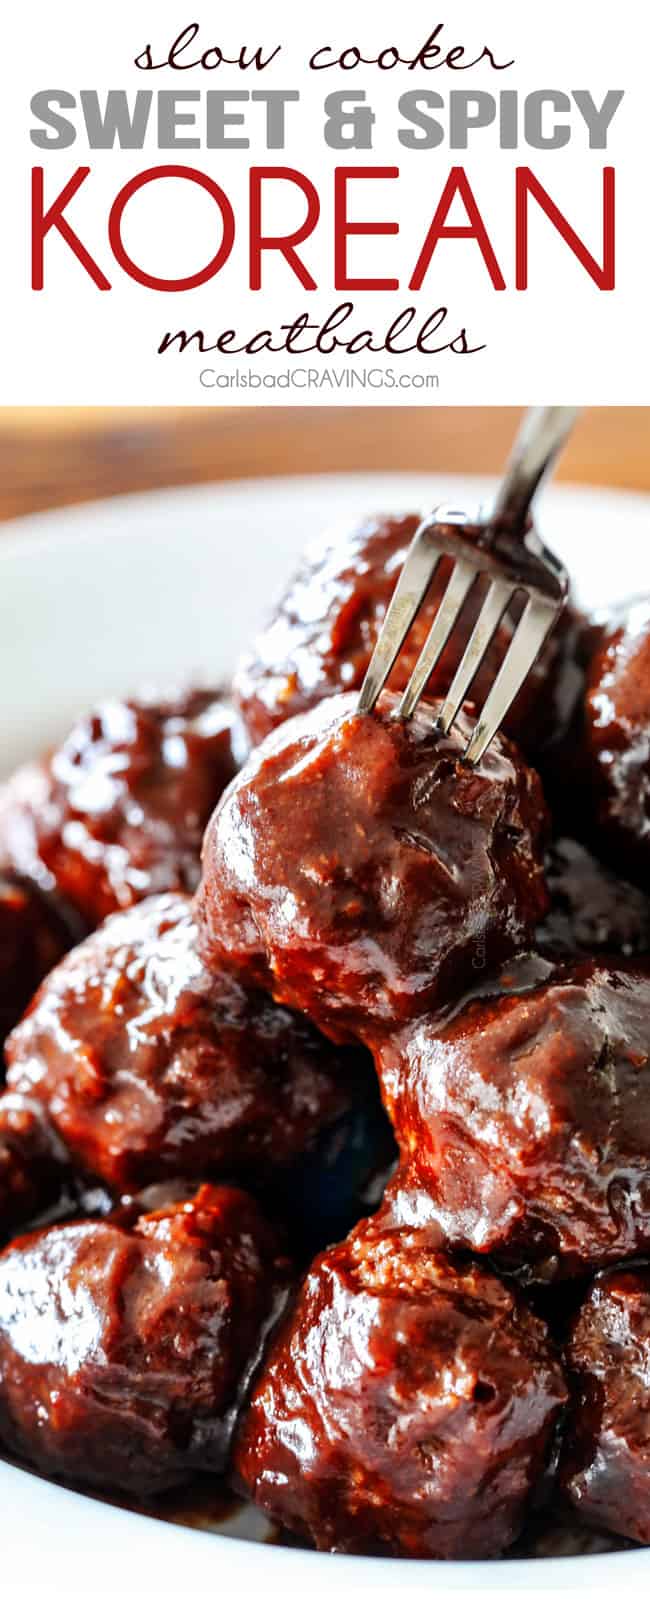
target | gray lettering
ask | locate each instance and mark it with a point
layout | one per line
(598, 119)
(508, 120)
(469, 109)
(534, 110)
(117, 121)
(345, 111)
(64, 133)
(276, 101)
(218, 120)
(169, 119)
(411, 105)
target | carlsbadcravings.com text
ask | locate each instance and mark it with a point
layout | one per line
(331, 379)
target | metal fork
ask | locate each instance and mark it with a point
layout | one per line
(501, 546)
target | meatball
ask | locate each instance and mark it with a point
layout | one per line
(361, 872)
(124, 1354)
(612, 757)
(118, 811)
(592, 910)
(406, 1407)
(33, 936)
(321, 635)
(149, 1066)
(605, 1462)
(524, 1119)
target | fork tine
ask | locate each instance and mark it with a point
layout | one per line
(492, 611)
(417, 573)
(531, 632)
(460, 584)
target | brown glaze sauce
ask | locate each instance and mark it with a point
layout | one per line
(456, 1376)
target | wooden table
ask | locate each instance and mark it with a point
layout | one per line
(51, 457)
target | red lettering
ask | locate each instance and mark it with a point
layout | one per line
(457, 184)
(604, 275)
(286, 245)
(343, 228)
(181, 284)
(55, 219)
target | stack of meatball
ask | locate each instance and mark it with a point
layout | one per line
(212, 1262)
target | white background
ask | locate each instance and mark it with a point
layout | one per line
(562, 339)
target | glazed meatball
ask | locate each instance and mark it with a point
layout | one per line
(592, 910)
(406, 1407)
(612, 747)
(118, 811)
(123, 1353)
(321, 636)
(605, 1462)
(524, 1120)
(149, 1066)
(361, 872)
(33, 936)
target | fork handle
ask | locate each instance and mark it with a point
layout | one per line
(542, 435)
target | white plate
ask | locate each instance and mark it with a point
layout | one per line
(98, 600)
